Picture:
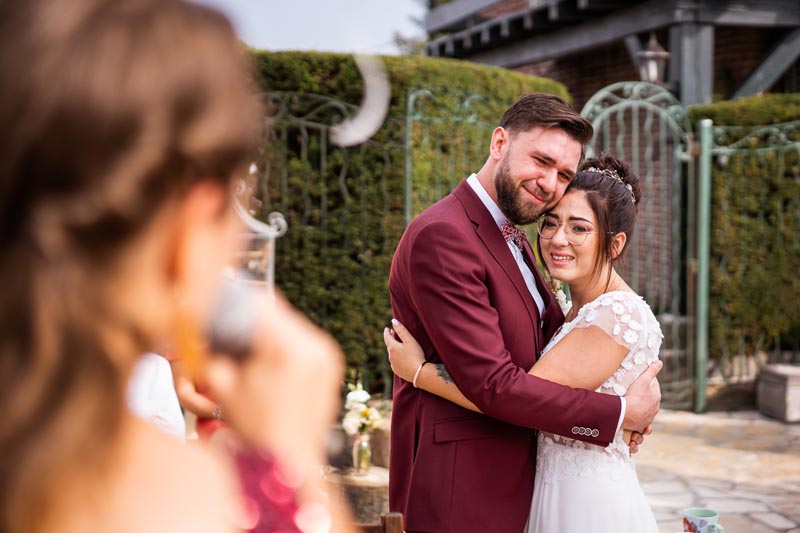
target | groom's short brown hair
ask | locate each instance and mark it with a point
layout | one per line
(546, 111)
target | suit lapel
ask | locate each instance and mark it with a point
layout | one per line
(489, 233)
(552, 317)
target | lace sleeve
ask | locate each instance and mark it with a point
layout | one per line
(627, 319)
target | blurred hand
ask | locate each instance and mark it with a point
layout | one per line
(285, 396)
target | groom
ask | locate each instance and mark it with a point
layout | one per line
(477, 303)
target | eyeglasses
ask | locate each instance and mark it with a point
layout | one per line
(575, 232)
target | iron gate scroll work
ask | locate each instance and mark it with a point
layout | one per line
(342, 226)
(646, 126)
(445, 142)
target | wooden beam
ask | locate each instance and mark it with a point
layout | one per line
(450, 15)
(770, 13)
(772, 67)
(640, 18)
(527, 21)
(584, 5)
(692, 52)
(504, 28)
(552, 9)
(634, 46)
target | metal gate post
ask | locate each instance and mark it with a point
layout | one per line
(703, 262)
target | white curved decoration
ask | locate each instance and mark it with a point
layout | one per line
(374, 105)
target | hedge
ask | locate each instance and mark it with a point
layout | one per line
(344, 223)
(755, 229)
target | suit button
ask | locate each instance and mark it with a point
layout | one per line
(574, 430)
(595, 433)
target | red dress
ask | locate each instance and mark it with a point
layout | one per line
(270, 495)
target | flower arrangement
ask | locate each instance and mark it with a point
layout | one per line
(359, 418)
(558, 290)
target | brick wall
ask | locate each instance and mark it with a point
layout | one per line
(737, 51)
(584, 74)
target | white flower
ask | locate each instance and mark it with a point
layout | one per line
(625, 318)
(652, 341)
(359, 418)
(635, 325)
(591, 315)
(619, 374)
(616, 329)
(351, 423)
(630, 336)
(561, 298)
(373, 416)
(638, 358)
(356, 398)
(618, 308)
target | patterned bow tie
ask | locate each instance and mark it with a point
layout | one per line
(513, 233)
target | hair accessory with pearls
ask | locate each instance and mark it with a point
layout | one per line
(611, 173)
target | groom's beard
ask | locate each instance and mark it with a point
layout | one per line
(509, 198)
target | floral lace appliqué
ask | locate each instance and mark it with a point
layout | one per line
(627, 319)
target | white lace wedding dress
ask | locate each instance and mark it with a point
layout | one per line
(580, 487)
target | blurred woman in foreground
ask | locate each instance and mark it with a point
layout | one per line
(124, 124)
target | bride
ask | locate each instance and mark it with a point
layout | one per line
(610, 336)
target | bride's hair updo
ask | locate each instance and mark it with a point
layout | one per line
(613, 192)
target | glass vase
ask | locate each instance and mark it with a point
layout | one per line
(362, 454)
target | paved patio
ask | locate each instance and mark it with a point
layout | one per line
(743, 464)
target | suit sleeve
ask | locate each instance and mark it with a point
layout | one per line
(451, 295)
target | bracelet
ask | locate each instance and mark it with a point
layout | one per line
(217, 412)
(416, 374)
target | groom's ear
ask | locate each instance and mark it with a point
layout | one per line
(500, 139)
(618, 244)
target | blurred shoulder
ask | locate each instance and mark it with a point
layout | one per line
(170, 486)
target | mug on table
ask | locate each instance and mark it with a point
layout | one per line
(701, 520)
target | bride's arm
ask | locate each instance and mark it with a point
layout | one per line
(583, 359)
(406, 356)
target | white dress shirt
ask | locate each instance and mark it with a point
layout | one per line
(151, 395)
(527, 275)
(500, 219)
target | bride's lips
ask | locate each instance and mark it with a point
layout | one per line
(561, 259)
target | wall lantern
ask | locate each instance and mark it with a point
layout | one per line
(653, 61)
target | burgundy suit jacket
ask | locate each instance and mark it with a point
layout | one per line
(456, 286)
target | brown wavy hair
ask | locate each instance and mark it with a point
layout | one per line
(110, 109)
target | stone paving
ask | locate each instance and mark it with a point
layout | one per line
(741, 463)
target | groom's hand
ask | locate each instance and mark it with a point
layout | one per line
(643, 399)
(636, 439)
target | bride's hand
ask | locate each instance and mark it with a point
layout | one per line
(406, 354)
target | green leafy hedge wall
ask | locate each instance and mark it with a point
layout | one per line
(345, 208)
(755, 225)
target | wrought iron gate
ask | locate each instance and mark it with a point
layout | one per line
(645, 125)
